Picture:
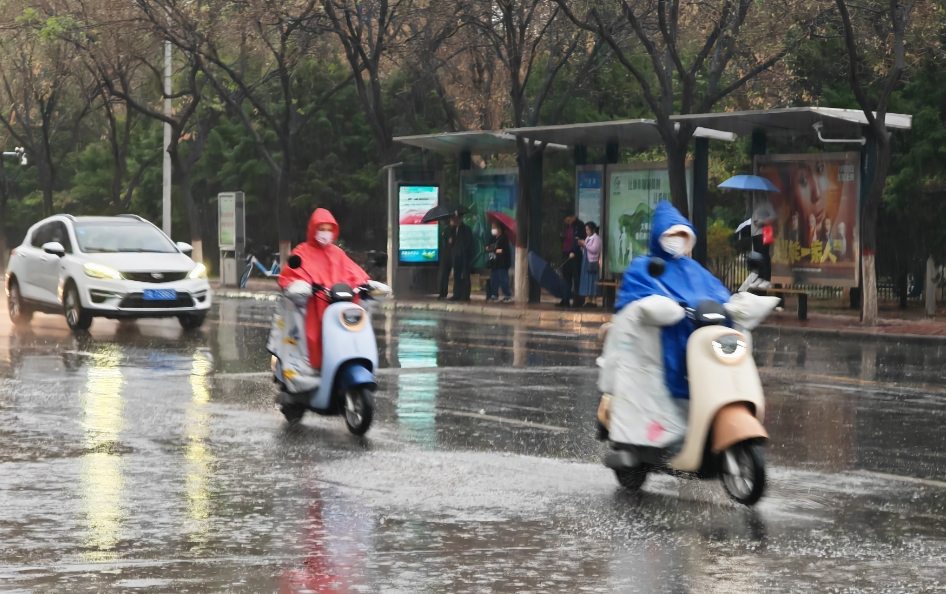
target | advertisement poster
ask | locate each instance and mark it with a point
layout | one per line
(816, 235)
(590, 186)
(227, 221)
(418, 241)
(486, 190)
(633, 193)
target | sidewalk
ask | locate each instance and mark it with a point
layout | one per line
(836, 322)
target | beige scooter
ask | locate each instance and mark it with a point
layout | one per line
(724, 433)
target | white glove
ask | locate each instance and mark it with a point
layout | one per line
(750, 310)
(378, 289)
(299, 293)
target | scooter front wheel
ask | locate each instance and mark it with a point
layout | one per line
(359, 410)
(743, 469)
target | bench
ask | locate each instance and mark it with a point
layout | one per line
(777, 292)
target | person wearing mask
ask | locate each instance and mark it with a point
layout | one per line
(644, 356)
(590, 265)
(571, 268)
(499, 260)
(323, 263)
(461, 240)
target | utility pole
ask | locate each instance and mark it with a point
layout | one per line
(166, 216)
(392, 223)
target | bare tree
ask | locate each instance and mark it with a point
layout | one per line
(533, 45)
(878, 28)
(688, 55)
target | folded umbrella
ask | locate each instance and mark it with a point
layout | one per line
(546, 276)
(749, 182)
(442, 211)
(743, 225)
(506, 221)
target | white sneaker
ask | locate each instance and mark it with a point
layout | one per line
(755, 283)
(764, 285)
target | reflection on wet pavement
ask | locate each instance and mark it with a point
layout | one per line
(140, 458)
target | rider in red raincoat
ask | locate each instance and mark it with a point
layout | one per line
(323, 263)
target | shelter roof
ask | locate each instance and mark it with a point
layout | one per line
(627, 133)
(477, 142)
(794, 121)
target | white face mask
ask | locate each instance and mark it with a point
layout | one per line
(495, 232)
(673, 245)
(324, 237)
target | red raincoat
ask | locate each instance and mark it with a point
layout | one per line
(323, 265)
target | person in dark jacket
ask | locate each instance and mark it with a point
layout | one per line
(446, 259)
(499, 263)
(461, 240)
(571, 252)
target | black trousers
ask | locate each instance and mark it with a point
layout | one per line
(461, 281)
(445, 268)
(766, 251)
(571, 274)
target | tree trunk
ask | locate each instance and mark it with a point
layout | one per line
(523, 213)
(193, 213)
(3, 246)
(283, 220)
(929, 286)
(677, 171)
(869, 307)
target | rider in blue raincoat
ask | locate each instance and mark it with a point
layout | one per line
(672, 238)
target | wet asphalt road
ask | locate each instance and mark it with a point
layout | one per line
(141, 459)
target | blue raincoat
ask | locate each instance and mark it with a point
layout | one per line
(686, 281)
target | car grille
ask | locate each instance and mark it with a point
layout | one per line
(137, 301)
(147, 277)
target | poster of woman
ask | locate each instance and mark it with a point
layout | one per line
(816, 240)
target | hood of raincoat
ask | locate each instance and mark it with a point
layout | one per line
(683, 280)
(321, 216)
(325, 265)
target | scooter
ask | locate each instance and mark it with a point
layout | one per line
(346, 384)
(725, 432)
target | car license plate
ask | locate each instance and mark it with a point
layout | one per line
(160, 295)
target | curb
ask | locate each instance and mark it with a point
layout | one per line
(510, 311)
(864, 335)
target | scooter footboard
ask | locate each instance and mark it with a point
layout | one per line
(735, 423)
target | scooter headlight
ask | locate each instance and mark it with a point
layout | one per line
(353, 318)
(730, 348)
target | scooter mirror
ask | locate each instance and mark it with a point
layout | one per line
(754, 261)
(294, 261)
(656, 267)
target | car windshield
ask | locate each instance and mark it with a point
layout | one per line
(98, 238)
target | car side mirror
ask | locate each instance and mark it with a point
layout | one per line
(55, 248)
(656, 267)
(185, 247)
(294, 262)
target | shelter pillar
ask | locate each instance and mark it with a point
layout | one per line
(534, 170)
(581, 154)
(700, 196)
(611, 152)
(465, 161)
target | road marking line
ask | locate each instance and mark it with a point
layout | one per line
(460, 413)
(897, 477)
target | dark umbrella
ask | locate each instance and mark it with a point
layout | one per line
(506, 221)
(438, 213)
(546, 276)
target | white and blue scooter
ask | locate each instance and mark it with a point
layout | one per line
(349, 355)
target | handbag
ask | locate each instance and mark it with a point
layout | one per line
(593, 268)
(768, 235)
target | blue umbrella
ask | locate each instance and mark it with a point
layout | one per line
(546, 276)
(749, 182)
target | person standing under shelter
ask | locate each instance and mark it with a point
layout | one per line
(590, 265)
(571, 252)
(446, 259)
(499, 262)
(461, 240)
(763, 215)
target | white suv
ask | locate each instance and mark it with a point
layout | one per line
(110, 267)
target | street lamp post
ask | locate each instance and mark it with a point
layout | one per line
(166, 193)
(392, 222)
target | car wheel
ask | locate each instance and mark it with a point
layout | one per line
(20, 313)
(191, 321)
(77, 317)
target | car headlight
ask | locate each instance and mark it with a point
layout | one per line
(730, 348)
(101, 271)
(199, 271)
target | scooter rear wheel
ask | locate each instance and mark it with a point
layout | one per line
(359, 410)
(743, 470)
(292, 412)
(631, 479)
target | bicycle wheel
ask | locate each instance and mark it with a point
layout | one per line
(246, 274)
